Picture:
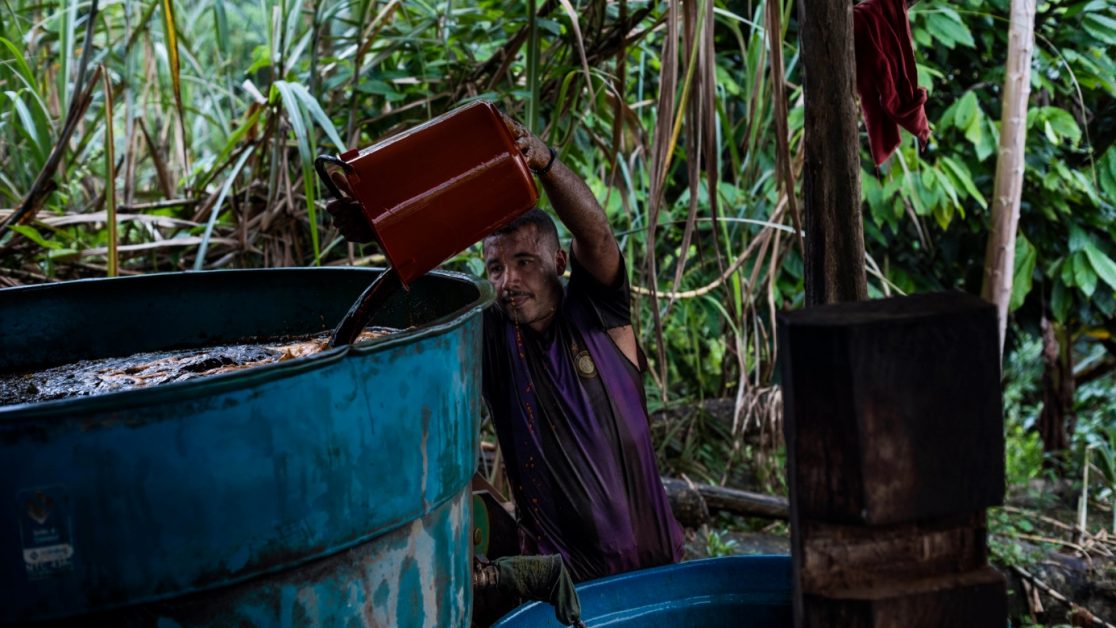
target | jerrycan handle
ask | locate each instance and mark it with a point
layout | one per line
(329, 160)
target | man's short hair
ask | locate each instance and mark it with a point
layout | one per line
(543, 223)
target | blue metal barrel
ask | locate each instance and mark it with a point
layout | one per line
(330, 490)
(730, 592)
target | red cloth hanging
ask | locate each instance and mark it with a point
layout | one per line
(886, 77)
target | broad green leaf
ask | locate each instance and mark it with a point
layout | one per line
(929, 178)
(966, 38)
(261, 58)
(947, 27)
(1077, 239)
(1063, 123)
(1050, 134)
(552, 26)
(1106, 174)
(1105, 302)
(1034, 116)
(975, 133)
(1101, 27)
(912, 192)
(1056, 123)
(1083, 275)
(727, 81)
(922, 37)
(966, 111)
(1101, 263)
(945, 184)
(1025, 258)
(1066, 271)
(948, 117)
(985, 141)
(926, 77)
(1091, 5)
(1073, 180)
(934, 25)
(32, 234)
(933, 196)
(380, 88)
(960, 174)
(891, 192)
(943, 214)
(1093, 72)
(873, 194)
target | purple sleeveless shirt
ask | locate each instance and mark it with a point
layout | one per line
(572, 423)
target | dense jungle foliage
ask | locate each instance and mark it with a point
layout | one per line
(184, 132)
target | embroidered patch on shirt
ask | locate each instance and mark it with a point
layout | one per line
(585, 366)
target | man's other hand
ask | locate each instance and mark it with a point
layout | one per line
(349, 219)
(536, 152)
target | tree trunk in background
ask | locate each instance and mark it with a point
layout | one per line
(834, 264)
(1056, 419)
(999, 259)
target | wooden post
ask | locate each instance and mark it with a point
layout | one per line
(894, 430)
(834, 264)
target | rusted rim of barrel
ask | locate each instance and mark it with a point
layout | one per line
(235, 380)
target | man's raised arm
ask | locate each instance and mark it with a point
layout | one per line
(593, 243)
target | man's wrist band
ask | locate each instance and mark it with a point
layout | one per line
(549, 164)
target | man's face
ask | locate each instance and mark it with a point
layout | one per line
(525, 267)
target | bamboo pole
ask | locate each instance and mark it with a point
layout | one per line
(999, 259)
(110, 179)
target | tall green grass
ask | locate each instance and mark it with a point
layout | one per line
(670, 110)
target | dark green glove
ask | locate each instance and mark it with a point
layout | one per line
(542, 578)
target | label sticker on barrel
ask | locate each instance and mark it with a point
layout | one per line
(44, 526)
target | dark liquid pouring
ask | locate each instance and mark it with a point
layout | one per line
(332, 172)
(370, 301)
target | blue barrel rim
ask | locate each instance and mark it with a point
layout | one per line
(641, 577)
(680, 567)
(204, 386)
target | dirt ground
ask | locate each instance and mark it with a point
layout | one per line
(1058, 572)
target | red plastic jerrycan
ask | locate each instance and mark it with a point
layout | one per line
(434, 190)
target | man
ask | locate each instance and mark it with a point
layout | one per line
(561, 376)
